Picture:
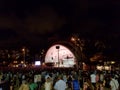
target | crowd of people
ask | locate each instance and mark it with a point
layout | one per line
(59, 79)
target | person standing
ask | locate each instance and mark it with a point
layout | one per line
(33, 85)
(60, 84)
(48, 83)
(24, 85)
(93, 79)
(114, 85)
(75, 83)
(88, 85)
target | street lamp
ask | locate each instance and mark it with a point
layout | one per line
(23, 55)
(58, 47)
(73, 39)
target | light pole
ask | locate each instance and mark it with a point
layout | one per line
(58, 47)
(23, 55)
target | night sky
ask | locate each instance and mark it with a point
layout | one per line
(34, 22)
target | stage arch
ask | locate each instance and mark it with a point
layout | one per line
(60, 56)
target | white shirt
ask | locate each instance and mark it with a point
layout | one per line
(114, 84)
(93, 78)
(60, 85)
(48, 86)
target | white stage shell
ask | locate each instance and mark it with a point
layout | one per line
(61, 56)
